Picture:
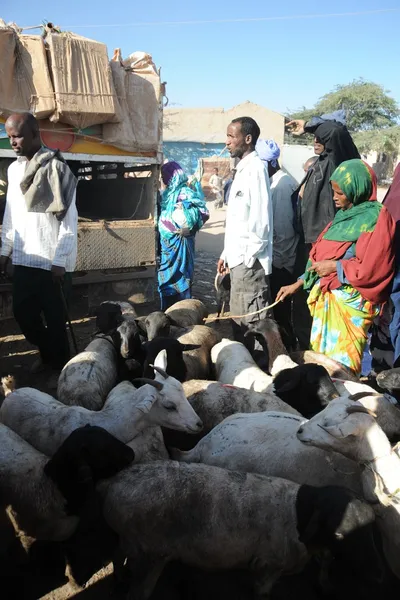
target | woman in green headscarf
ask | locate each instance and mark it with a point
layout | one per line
(350, 269)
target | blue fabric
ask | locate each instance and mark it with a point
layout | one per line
(268, 151)
(394, 327)
(193, 204)
(177, 246)
(338, 115)
(175, 273)
(167, 301)
(350, 253)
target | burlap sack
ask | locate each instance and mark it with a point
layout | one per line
(7, 62)
(32, 53)
(24, 75)
(84, 90)
(119, 134)
(142, 130)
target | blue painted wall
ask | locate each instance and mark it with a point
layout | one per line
(187, 154)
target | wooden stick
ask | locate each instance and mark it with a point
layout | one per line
(256, 312)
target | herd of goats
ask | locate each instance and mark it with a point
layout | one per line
(207, 458)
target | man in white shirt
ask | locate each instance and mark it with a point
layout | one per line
(285, 238)
(249, 228)
(41, 239)
(216, 185)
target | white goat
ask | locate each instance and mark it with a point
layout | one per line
(214, 401)
(234, 365)
(266, 524)
(46, 423)
(266, 443)
(39, 507)
(88, 377)
(350, 429)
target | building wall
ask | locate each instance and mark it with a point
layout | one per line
(293, 157)
(208, 125)
(188, 154)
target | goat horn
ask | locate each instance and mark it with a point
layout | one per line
(161, 371)
(361, 395)
(159, 386)
(360, 409)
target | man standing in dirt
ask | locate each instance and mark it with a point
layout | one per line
(40, 235)
(249, 228)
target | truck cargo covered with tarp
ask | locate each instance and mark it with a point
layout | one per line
(105, 116)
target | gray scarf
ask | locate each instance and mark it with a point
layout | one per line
(48, 184)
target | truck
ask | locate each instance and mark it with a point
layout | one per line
(116, 199)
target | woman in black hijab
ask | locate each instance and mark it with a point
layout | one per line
(333, 144)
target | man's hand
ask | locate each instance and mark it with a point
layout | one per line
(288, 290)
(296, 126)
(324, 267)
(4, 260)
(221, 268)
(57, 273)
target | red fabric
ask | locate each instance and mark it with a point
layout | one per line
(371, 271)
(392, 198)
(374, 195)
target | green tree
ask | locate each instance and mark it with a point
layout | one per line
(372, 115)
(367, 105)
(381, 140)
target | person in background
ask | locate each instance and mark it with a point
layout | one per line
(285, 238)
(350, 269)
(310, 162)
(183, 213)
(216, 186)
(332, 145)
(249, 229)
(40, 236)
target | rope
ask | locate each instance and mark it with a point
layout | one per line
(256, 312)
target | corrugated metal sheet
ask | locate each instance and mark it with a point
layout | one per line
(115, 244)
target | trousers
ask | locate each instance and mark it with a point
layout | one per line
(36, 295)
(249, 292)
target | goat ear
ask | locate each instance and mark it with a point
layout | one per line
(146, 404)
(141, 325)
(359, 408)
(293, 377)
(311, 529)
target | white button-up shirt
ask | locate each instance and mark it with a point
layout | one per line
(33, 239)
(249, 219)
(285, 237)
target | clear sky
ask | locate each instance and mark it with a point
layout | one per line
(283, 63)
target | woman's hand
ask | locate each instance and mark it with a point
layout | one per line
(297, 126)
(324, 267)
(288, 290)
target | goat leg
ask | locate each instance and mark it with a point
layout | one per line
(153, 567)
